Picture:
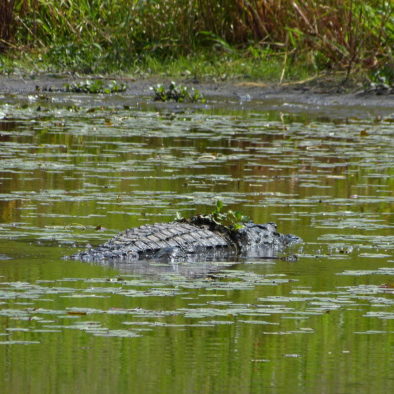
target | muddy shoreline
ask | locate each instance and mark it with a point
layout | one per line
(324, 96)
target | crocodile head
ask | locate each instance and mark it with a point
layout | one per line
(262, 236)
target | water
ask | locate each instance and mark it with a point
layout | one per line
(75, 170)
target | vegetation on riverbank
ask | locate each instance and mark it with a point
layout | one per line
(254, 39)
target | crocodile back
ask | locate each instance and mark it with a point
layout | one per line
(148, 241)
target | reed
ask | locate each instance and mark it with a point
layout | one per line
(340, 32)
(7, 24)
(89, 34)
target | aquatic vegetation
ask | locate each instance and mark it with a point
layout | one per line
(233, 220)
(230, 220)
(95, 86)
(177, 93)
(382, 78)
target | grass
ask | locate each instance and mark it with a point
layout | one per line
(240, 64)
(256, 39)
(200, 66)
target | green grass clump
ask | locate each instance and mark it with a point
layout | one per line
(177, 93)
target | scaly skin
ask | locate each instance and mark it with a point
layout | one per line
(194, 239)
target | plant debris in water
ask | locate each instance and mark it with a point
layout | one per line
(229, 220)
(177, 93)
(95, 86)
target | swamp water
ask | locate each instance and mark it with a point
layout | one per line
(75, 170)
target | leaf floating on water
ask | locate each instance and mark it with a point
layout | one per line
(19, 342)
(381, 315)
(372, 332)
(258, 322)
(78, 313)
(380, 271)
(217, 322)
(82, 311)
(374, 255)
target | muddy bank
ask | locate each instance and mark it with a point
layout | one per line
(328, 97)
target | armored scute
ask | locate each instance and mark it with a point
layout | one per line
(195, 239)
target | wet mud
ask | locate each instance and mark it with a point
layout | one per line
(329, 97)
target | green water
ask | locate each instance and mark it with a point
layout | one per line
(73, 175)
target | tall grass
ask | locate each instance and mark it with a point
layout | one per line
(7, 25)
(341, 33)
(93, 34)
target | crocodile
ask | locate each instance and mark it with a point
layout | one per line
(196, 239)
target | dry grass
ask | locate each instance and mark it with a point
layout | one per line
(345, 32)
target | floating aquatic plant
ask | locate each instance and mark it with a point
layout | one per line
(178, 93)
(95, 86)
